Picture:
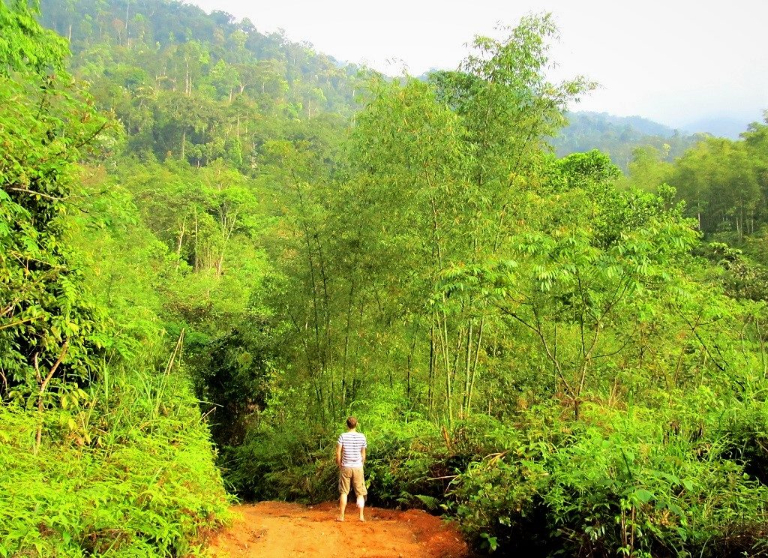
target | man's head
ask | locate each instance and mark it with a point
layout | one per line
(351, 423)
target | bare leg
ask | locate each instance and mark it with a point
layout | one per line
(361, 505)
(342, 506)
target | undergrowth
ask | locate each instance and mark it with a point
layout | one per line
(125, 469)
(683, 478)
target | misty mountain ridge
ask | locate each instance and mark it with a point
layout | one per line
(730, 127)
(721, 126)
(620, 136)
(604, 120)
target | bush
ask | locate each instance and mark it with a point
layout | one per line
(659, 480)
(291, 462)
(127, 469)
(746, 429)
(618, 483)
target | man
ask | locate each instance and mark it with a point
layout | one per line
(350, 457)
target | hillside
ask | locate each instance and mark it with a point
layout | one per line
(217, 247)
(619, 137)
(174, 46)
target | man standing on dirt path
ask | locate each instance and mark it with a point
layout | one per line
(350, 456)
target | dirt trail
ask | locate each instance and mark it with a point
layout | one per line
(279, 530)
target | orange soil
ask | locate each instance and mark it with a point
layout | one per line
(278, 530)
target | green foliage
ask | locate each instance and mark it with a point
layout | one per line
(237, 374)
(129, 472)
(617, 482)
(100, 453)
(289, 462)
(740, 274)
(50, 333)
(533, 345)
(747, 435)
(723, 182)
(125, 264)
(24, 44)
(719, 180)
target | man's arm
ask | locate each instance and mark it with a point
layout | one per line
(362, 454)
(338, 455)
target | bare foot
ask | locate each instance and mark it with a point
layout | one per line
(362, 518)
(341, 518)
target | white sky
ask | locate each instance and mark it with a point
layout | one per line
(673, 61)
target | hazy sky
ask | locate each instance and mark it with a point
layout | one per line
(674, 61)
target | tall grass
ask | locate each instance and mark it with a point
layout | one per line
(125, 469)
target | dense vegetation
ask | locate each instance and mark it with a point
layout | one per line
(101, 444)
(620, 137)
(564, 358)
(724, 183)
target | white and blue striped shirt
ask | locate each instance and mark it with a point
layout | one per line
(352, 444)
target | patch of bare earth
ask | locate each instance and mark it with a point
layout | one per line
(279, 530)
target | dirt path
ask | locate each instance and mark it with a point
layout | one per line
(280, 530)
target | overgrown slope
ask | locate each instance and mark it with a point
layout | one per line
(102, 445)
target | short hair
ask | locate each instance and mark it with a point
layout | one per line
(351, 422)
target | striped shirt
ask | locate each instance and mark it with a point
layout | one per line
(352, 443)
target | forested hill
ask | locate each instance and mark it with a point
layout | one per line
(195, 79)
(160, 25)
(619, 137)
(147, 56)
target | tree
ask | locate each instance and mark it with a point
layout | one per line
(720, 182)
(25, 46)
(452, 162)
(648, 169)
(51, 335)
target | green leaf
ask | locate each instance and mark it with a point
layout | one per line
(643, 496)
(429, 501)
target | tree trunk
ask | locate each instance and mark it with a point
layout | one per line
(179, 243)
(431, 374)
(474, 366)
(196, 262)
(467, 373)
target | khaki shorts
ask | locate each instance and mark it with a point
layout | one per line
(354, 474)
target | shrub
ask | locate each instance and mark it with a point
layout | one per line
(617, 484)
(126, 469)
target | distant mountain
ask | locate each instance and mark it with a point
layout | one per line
(643, 125)
(619, 136)
(726, 127)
